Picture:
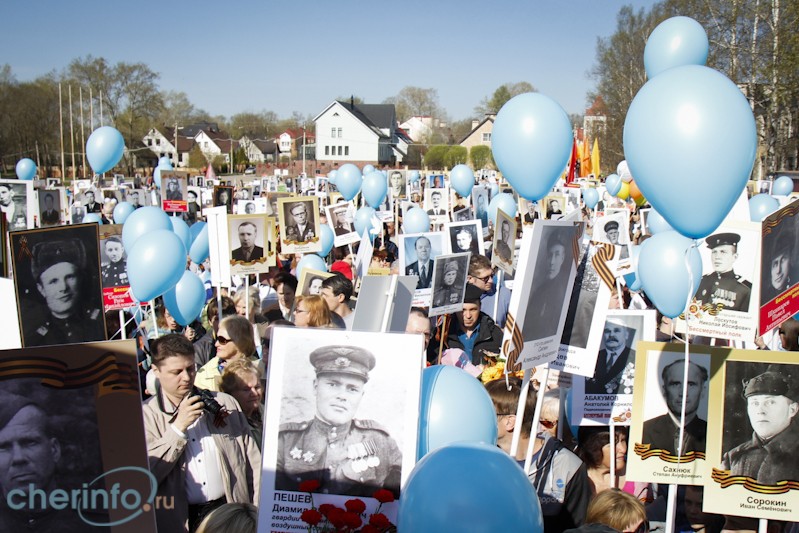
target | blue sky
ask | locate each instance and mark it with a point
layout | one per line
(298, 56)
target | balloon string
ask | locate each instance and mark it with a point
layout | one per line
(688, 251)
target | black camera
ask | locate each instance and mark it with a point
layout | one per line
(211, 405)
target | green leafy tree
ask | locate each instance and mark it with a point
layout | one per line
(416, 101)
(481, 157)
(503, 93)
(197, 158)
(436, 155)
(456, 155)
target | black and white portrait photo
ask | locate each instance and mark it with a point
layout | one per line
(436, 203)
(113, 259)
(194, 205)
(397, 185)
(299, 224)
(480, 203)
(615, 363)
(57, 276)
(723, 286)
(504, 243)
(16, 202)
(529, 211)
(345, 414)
(780, 269)
(417, 253)
(465, 237)
(50, 202)
(248, 236)
(615, 229)
(340, 218)
(90, 199)
(310, 282)
(463, 214)
(137, 198)
(449, 283)
(555, 206)
(223, 196)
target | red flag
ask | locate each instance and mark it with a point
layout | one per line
(572, 163)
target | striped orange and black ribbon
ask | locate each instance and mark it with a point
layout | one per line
(604, 253)
(789, 211)
(513, 347)
(725, 479)
(645, 452)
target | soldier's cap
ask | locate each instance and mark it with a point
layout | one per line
(720, 239)
(47, 254)
(10, 405)
(473, 294)
(350, 360)
(771, 382)
(612, 225)
(451, 266)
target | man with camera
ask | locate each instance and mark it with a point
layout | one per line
(199, 447)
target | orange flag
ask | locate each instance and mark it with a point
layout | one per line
(595, 158)
(585, 160)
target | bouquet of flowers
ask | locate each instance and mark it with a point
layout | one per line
(353, 517)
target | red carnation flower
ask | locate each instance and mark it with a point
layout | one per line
(325, 508)
(352, 520)
(309, 485)
(380, 521)
(337, 517)
(311, 516)
(355, 506)
(383, 496)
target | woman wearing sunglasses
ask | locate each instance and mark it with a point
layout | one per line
(234, 340)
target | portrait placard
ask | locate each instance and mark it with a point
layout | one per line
(553, 206)
(53, 209)
(726, 304)
(340, 218)
(449, 283)
(174, 187)
(588, 305)
(657, 409)
(435, 181)
(397, 184)
(465, 237)
(614, 228)
(310, 282)
(417, 251)
(113, 269)
(248, 238)
(504, 243)
(272, 201)
(542, 287)
(77, 412)
(137, 198)
(480, 203)
(299, 225)
(608, 394)
(364, 384)
(779, 278)
(223, 196)
(251, 207)
(436, 203)
(57, 277)
(17, 203)
(529, 211)
(753, 435)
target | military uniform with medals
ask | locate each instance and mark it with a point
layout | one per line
(355, 458)
(726, 288)
(115, 274)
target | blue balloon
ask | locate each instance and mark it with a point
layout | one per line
(348, 180)
(122, 211)
(195, 229)
(446, 491)
(613, 184)
(26, 169)
(165, 163)
(531, 143)
(104, 149)
(493, 190)
(156, 262)
(93, 217)
(363, 219)
(760, 206)
(455, 407)
(200, 247)
(374, 188)
(181, 229)
(326, 237)
(331, 176)
(367, 169)
(414, 176)
(631, 279)
(590, 197)
(502, 201)
(416, 220)
(157, 177)
(312, 261)
(675, 42)
(690, 129)
(461, 177)
(782, 186)
(185, 301)
(141, 222)
(664, 274)
(656, 223)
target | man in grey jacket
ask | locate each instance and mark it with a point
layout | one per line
(201, 459)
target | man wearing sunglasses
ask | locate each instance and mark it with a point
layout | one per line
(481, 275)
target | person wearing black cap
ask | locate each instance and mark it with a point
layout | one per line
(348, 456)
(612, 234)
(448, 290)
(723, 286)
(473, 331)
(58, 268)
(769, 457)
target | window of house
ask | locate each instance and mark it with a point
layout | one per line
(158, 142)
(333, 133)
(346, 150)
(487, 137)
(327, 150)
(339, 150)
(339, 133)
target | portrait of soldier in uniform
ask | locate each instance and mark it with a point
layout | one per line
(58, 286)
(134, 199)
(723, 286)
(14, 210)
(247, 250)
(173, 191)
(502, 247)
(114, 271)
(347, 455)
(300, 226)
(612, 235)
(448, 291)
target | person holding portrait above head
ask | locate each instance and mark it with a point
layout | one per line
(435, 200)
(397, 183)
(724, 286)
(173, 191)
(16, 215)
(769, 457)
(248, 251)
(663, 432)
(115, 272)
(200, 459)
(302, 230)
(612, 234)
(89, 203)
(481, 275)
(503, 250)
(778, 268)
(59, 270)
(348, 456)
(423, 266)
(448, 292)
(50, 216)
(615, 363)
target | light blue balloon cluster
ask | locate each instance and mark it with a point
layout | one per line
(122, 211)
(675, 42)
(414, 176)
(327, 238)
(348, 180)
(363, 220)
(416, 220)
(664, 272)
(782, 186)
(156, 262)
(761, 206)
(26, 169)
(461, 177)
(104, 149)
(656, 223)
(590, 197)
(374, 188)
(185, 301)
